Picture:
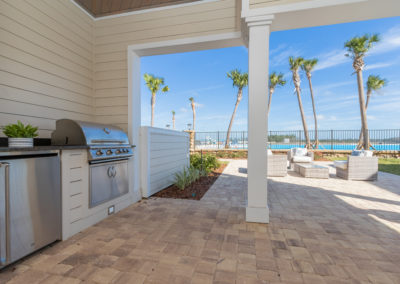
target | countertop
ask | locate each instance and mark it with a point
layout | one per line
(43, 148)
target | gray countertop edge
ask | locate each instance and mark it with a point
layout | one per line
(43, 148)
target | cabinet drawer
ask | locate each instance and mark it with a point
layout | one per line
(75, 187)
(75, 201)
(76, 159)
(75, 174)
(75, 214)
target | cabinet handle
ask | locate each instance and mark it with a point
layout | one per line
(4, 259)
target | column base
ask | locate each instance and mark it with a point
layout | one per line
(257, 214)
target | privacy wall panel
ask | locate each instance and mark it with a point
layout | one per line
(164, 153)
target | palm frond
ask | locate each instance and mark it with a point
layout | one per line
(295, 63)
(239, 79)
(359, 46)
(309, 64)
(374, 83)
(276, 79)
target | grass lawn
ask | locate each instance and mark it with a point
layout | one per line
(388, 165)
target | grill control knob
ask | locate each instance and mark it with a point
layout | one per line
(118, 151)
(109, 152)
(99, 153)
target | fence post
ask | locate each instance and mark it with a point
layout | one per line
(242, 139)
(300, 139)
(218, 139)
(331, 139)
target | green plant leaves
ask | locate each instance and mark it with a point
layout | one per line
(18, 130)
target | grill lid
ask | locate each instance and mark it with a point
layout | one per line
(74, 132)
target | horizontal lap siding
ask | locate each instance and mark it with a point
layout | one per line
(254, 4)
(46, 63)
(114, 35)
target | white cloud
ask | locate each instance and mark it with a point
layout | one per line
(379, 65)
(331, 59)
(389, 41)
(182, 109)
(281, 58)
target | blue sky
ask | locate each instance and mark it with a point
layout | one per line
(202, 75)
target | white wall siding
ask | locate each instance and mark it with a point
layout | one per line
(164, 152)
(114, 35)
(269, 3)
(46, 63)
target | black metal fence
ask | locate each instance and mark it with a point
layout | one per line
(381, 139)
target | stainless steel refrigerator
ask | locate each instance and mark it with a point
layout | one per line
(30, 203)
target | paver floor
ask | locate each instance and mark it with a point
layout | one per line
(320, 231)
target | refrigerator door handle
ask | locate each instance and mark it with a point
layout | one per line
(5, 226)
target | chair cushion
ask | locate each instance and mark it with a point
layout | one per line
(362, 153)
(357, 153)
(340, 164)
(270, 152)
(368, 153)
(302, 159)
(300, 152)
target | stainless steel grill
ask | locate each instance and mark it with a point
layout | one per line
(108, 154)
(105, 142)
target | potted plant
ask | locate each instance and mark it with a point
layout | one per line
(20, 135)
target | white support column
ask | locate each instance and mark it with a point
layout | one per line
(257, 206)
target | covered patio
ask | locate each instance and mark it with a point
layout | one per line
(321, 231)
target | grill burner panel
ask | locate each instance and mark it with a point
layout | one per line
(105, 142)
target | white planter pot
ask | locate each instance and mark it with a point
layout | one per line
(20, 142)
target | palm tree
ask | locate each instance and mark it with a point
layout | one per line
(357, 48)
(154, 84)
(308, 66)
(374, 83)
(274, 81)
(295, 64)
(239, 80)
(173, 119)
(194, 112)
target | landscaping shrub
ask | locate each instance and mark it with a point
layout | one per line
(205, 164)
(186, 177)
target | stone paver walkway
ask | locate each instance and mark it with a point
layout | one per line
(321, 231)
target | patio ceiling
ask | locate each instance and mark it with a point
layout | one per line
(99, 8)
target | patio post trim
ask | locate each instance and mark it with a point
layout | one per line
(257, 195)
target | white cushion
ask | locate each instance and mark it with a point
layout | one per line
(302, 159)
(300, 152)
(362, 153)
(340, 164)
(269, 152)
(368, 153)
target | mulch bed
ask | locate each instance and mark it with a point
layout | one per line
(196, 190)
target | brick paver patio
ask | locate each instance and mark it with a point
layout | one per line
(321, 231)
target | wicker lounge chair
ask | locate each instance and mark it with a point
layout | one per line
(277, 165)
(299, 155)
(357, 168)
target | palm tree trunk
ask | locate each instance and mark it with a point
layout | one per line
(173, 121)
(360, 140)
(316, 142)
(194, 118)
(153, 103)
(271, 91)
(228, 134)
(303, 118)
(363, 111)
